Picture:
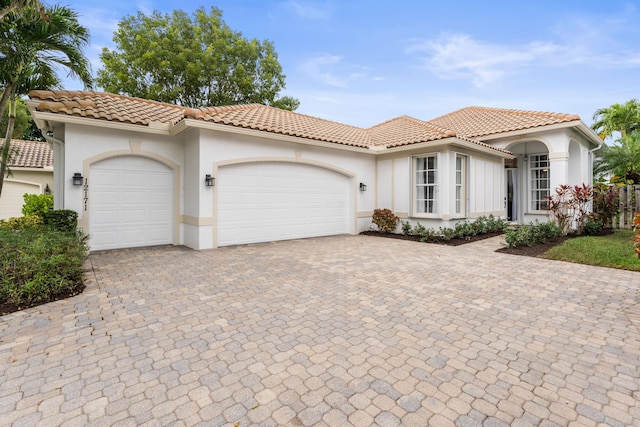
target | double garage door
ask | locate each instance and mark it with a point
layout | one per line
(132, 200)
(262, 202)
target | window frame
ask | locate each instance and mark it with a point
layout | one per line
(536, 193)
(460, 200)
(436, 186)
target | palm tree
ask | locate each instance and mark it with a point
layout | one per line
(30, 50)
(621, 159)
(623, 118)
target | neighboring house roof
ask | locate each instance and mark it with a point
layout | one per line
(31, 154)
(466, 124)
(481, 121)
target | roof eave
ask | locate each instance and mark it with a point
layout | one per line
(579, 124)
(44, 120)
(443, 142)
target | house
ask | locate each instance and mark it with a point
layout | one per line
(141, 172)
(32, 173)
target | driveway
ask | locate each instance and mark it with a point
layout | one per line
(346, 330)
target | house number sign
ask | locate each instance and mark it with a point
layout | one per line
(86, 193)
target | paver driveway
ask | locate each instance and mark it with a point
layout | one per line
(347, 330)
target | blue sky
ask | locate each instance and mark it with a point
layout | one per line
(363, 62)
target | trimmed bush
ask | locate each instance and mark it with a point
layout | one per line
(531, 234)
(37, 204)
(22, 222)
(61, 220)
(385, 220)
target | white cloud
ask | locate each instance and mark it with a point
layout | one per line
(309, 10)
(458, 56)
(332, 71)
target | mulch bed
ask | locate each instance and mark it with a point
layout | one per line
(532, 251)
(452, 242)
(6, 308)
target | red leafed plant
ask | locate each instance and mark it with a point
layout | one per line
(385, 219)
(570, 205)
(636, 238)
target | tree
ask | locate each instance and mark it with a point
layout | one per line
(194, 61)
(30, 50)
(621, 159)
(8, 7)
(623, 118)
(22, 122)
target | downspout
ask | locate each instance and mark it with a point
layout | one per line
(58, 172)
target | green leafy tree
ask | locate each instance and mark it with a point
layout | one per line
(194, 61)
(31, 50)
(623, 118)
(7, 7)
(22, 124)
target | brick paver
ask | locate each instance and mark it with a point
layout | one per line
(346, 330)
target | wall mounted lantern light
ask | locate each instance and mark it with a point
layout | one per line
(77, 179)
(47, 190)
(363, 187)
(209, 180)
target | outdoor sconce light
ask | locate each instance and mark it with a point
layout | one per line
(77, 179)
(363, 187)
(47, 190)
(209, 180)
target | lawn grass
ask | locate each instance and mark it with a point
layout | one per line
(614, 250)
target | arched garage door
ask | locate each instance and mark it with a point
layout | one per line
(131, 202)
(262, 202)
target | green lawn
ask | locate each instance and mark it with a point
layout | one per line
(615, 251)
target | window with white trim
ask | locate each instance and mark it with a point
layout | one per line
(461, 185)
(426, 184)
(539, 180)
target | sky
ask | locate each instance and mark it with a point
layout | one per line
(362, 62)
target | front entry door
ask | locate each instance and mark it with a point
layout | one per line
(512, 194)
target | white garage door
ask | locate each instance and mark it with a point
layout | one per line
(11, 201)
(131, 203)
(262, 202)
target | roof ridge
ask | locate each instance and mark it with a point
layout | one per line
(516, 111)
(239, 107)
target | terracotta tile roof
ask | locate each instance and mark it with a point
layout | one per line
(466, 124)
(31, 154)
(405, 130)
(107, 106)
(283, 122)
(482, 121)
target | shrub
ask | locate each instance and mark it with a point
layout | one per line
(38, 264)
(570, 205)
(592, 225)
(531, 234)
(605, 203)
(61, 220)
(407, 230)
(385, 219)
(37, 204)
(22, 222)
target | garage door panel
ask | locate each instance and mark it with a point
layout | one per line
(11, 200)
(131, 200)
(278, 201)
